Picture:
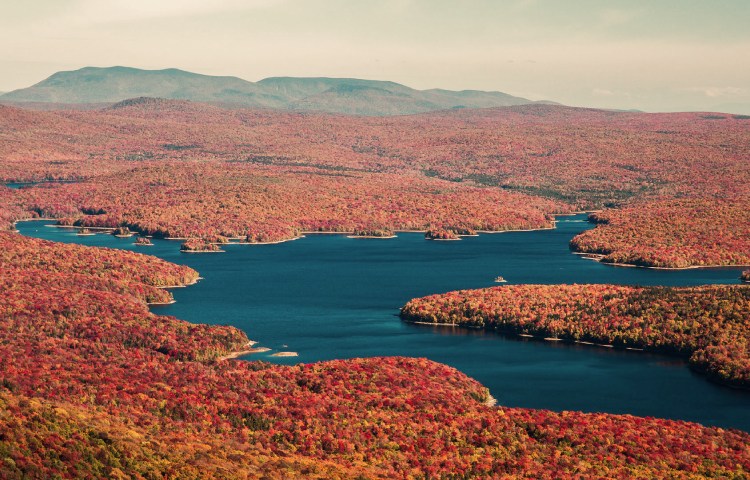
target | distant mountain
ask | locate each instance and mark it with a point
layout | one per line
(106, 85)
(340, 95)
(371, 97)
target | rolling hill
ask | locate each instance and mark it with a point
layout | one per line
(93, 85)
(106, 85)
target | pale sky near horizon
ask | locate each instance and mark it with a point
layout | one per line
(666, 55)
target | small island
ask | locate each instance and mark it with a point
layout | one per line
(441, 234)
(745, 277)
(122, 232)
(85, 232)
(217, 239)
(464, 231)
(372, 233)
(144, 242)
(276, 233)
(194, 245)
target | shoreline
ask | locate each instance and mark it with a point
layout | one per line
(597, 257)
(433, 324)
(541, 338)
(247, 348)
(572, 214)
(180, 286)
(101, 229)
(641, 349)
(490, 232)
(160, 303)
(443, 239)
(348, 234)
(375, 237)
(275, 242)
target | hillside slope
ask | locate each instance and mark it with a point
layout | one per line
(94, 385)
(100, 85)
(338, 95)
(241, 172)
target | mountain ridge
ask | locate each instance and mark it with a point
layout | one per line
(91, 85)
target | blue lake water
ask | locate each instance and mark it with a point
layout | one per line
(328, 296)
(17, 185)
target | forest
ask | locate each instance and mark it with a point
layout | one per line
(709, 325)
(673, 186)
(95, 385)
(699, 232)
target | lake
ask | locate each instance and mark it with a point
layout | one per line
(18, 185)
(329, 296)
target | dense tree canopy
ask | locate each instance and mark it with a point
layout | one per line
(710, 325)
(92, 384)
(183, 169)
(670, 233)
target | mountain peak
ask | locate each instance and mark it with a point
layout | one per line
(341, 95)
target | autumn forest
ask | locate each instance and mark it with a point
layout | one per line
(93, 384)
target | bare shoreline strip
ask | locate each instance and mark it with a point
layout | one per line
(161, 303)
(539, 338)
(519, 230)
(271, 243)
(589, 256)
(434, 324)
(597, 257)
(101, 229)
(180, 286)
(375, 237)
(247, 349)
(202, 251)
(349, 234)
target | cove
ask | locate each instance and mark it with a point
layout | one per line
(328, 296)
(19, 185)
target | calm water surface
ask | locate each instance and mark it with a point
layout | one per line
(17, 185)
(328, 296)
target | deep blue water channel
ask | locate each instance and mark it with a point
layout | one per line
(329, 296)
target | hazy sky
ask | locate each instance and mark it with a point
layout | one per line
(655, 55)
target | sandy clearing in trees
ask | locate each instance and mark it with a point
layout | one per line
(247, 349)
